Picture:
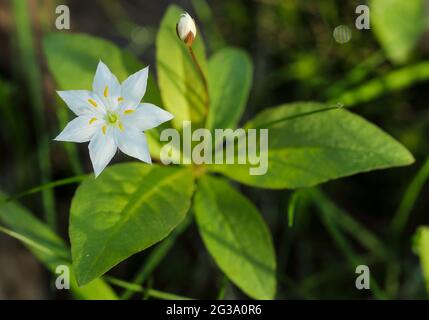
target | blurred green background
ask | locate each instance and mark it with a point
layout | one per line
(371, 218)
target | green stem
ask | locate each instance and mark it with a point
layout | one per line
(138, 288)
(202, 76)
(30, 66)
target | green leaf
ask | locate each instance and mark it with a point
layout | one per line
(310, 144)
(229, 81)
(422, 249)
(73, 58)
(236, 236)
(48, 248)
(398, 25)
(181, 86)
(126, 210)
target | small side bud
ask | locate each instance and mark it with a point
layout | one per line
(186, 29)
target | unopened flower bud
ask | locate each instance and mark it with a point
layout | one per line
(186, 29)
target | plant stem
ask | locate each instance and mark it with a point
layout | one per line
(202, 76)
(138, 288)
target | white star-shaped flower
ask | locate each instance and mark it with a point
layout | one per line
(111, 116)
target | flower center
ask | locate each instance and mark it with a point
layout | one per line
(112, 118)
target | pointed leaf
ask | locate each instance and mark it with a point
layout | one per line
(308, 145)
(236, 236)
(127, 209)
(398, 25)
(229, 81)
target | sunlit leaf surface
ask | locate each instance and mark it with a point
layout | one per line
(127, 209)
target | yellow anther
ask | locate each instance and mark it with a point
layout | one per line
(94, 104)
(106, 91)
(121, 127)
(92, 120)
(129, 111)
(120, 99)
(103, 129)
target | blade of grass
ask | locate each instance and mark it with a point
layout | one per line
(149, 285)
(409, 199)
(138, 288)
(27, 241)
(359, 232)
(47, 247)
(343, 244)
(392, 81)
(291, 209)
(356, 75)
(31, 72)
(222, 289)
(43, 187)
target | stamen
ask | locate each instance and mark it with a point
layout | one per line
(121, 127)
(129, 111)
(120, 99)
(106, 91)
(94, 104)
(92, 120)
(103, 129)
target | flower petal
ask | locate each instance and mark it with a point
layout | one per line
(102, 148)
(82, 102)
(134, 87)
(146, 116)
(133, 143)
(80, 129)
(105, 82)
